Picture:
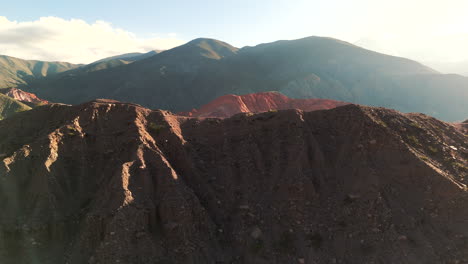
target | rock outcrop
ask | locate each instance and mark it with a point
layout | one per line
(229, 105)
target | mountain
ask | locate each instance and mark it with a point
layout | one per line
(15, 72)
(131, 57)
(196, 73)
(229, 105)
(24, 97)
(10, 106)
(111, 62)
(109, 182)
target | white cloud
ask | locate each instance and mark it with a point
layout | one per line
(76, 41)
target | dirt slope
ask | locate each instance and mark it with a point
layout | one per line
(229, 105)
(107, 182)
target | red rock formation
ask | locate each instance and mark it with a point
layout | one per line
(24, 97)
(229, 105)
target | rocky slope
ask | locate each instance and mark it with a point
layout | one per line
(463, 126)
(202, 70)
(229, 105)
(29, 99)
(10, 106)
(108, 182)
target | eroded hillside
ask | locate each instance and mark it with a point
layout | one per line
(107, 182)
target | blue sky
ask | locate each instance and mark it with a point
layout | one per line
(243, 22)
(425, 30)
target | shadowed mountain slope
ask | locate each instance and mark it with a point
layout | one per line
(14, 71)
(108, 182)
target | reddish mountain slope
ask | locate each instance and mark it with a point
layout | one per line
(229, 105)
(107, 182)
(24, 97)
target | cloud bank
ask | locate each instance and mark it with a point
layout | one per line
(76, 41)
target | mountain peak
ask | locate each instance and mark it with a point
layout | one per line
(212, 48)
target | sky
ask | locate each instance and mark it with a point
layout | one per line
(430, 31)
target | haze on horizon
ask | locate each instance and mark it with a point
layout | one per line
(432, 32)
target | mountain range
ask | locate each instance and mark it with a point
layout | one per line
(267, 158)
(194, 74)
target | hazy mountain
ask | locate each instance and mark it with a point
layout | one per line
(107, 182)
(10, 106)
(193, 74)
(460, 67)
(14, 71)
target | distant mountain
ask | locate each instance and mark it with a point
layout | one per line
(460, 67)
(110, 62)
(14, 71)
(229, 105)
(10, 106)
(196, 73)
(131, 57)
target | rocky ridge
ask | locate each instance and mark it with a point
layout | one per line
(109, 182)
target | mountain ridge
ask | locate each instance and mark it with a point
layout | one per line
(195, 73)
(113, 182)
(15, 72)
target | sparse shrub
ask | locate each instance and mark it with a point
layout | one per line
(413, 140)
(416, 125)
(257, 246)
(432, 149)
(286, 243)
(155, 128)
(424, 158)
(460, 166)
(71, 131)
(315, 240)
(381, 122)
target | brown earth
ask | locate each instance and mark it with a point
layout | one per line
(229, 105)
(108, 182)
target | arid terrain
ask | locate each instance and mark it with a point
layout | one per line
(110, 182)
